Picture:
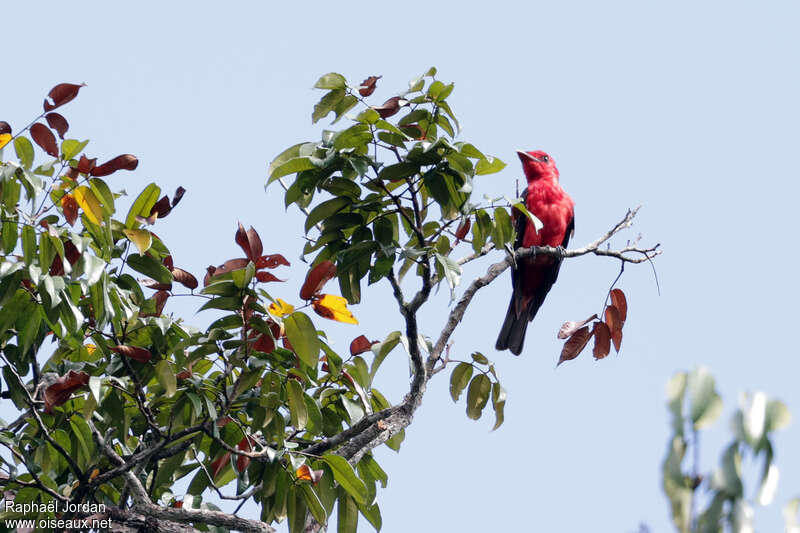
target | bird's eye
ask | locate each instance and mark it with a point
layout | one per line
(546, 158)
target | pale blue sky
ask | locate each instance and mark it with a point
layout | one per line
(689, 108)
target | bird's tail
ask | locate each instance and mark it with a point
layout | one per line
(512, 334)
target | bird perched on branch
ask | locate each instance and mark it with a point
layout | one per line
(532, 277)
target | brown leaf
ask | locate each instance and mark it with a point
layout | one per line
(230, 265)
(121, 162)
(167, 261)
(621, 303)
(57, 266)
(264, 343)
(575, 345)
(58, 123)
(86, 165)
(463, 229)
(210, 271)
(368, 85)
(413, 131)
(178, 195)
(134, 352)
(42, 135)
(265, 277)
(569, 328)
(271, 261)
(61, 390)
(183, 374)
(161, 208)
(161, 299)
(61, 94)
(5, 128)
(602, 340)
(317, 278)
(153, 284)
(70, 208)
(615, 325)
(391, 106)
(184, 278)
(360, 345)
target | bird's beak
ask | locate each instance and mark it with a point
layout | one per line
(525, 155)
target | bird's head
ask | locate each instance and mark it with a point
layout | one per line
(537, 165)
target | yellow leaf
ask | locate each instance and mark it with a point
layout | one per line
(333, 307)
(90, 348)
(89, 203)
(142, 238)
(4, 138)
(281, 308)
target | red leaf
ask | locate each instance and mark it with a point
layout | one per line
(360, 345)
(575, 345)
(183, 374)
(602, 340)
(242, 461)
(184, 278)
(153, 284)
(621, 303)
(134, 352)
(615, 325)
(218, 464)
(61, 94)
(391, 106)
(86, 165)
(58, 123)
(250, 242)
(121, 162)
(264, 343)
(368, 85)
(161, 208)
(463, 229)
(161, 299)
(178, 195)
(70, 208)
(42, 135)
(265, 277)
(60, 391)
(271, 261)
(71, 252)
(316, 279)
(569, 328)
(57, 266)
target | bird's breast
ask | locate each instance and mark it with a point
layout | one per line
(548, 202)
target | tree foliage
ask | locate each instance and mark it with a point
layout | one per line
(119, 401)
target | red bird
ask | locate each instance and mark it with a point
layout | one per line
(532, 277)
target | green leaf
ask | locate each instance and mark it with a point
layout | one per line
(479, 358)
(297, 405)
(142, 205)
(150, 267)
(303, 337)
(395, 442)
(382, 349)
(519, 206)
(459, 379)
(676, 390)
(490, 165)
(499, 404)
(24, 150)
(325, 210)
(478, 395)
(331, 80)
(705, 403)
(346, 477)
(348, 514)
(327, 104)
(313, 502)
(166, 377)
(71, 148)
(778, 416)
(28, 244)
(292, 166)
(398, 171)
(345, 104)
(452, 273)
(503, 228)
(10, 233)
